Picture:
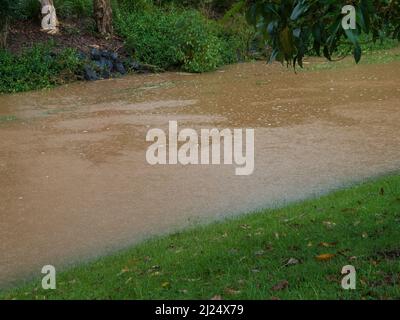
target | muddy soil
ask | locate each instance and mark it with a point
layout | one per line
(74, 179)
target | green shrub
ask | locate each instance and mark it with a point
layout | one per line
(30, 9)
(26, 9)
(74, 8)
(37, 68)
(237, 36)
(213, 7)
(179, 39)
(133, 6)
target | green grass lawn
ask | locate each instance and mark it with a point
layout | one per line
(376, 56)
(247, 257)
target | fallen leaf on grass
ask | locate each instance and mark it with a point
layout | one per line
(217, 297)
(165, 284)
(129, 280)
(124, 270)
(292, 262)
(259, 253)
(232, 292)
(280, 285)
(329, 224)
(325, 257)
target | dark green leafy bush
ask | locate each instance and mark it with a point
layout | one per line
(37, 68)
(179, 39)
(295, 27)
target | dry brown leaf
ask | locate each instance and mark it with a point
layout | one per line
(280, 285)
(231, 291)
(325, 257)
(124, 270)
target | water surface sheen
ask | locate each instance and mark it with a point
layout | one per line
(75, 183)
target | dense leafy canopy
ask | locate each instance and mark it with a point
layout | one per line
(294, 27)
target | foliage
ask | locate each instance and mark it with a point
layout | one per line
(213, 7)
(5, 12)
(237, 37)
(5, 7)
(77, 8)
(37, 68)
(293, 28)
(30, 9)
(26, 9)
(178, 39)
(134, 6)
(368, 45)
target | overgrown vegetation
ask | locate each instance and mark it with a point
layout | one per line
(37, 68)
(167, 34)
(182, 39)
(296, 252)
(199, 36)
(293, 28)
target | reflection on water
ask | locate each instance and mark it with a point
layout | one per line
(74, 178)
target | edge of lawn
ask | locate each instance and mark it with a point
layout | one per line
(291, 252)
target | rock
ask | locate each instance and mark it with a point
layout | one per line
(95, 54)
(119, 67)
(89, 74)
(114, 56)
(108, 64)
(104, 64)
(105, 54)
(135, 66)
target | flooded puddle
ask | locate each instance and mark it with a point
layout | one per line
(74, 179)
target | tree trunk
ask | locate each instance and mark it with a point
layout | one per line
(49, 20)
(103, 16)
(3, 32)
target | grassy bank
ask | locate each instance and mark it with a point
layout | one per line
(37, 68)
(294, 252)
(382, 56)
(163, 34)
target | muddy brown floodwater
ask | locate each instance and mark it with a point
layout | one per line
(74, 179)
